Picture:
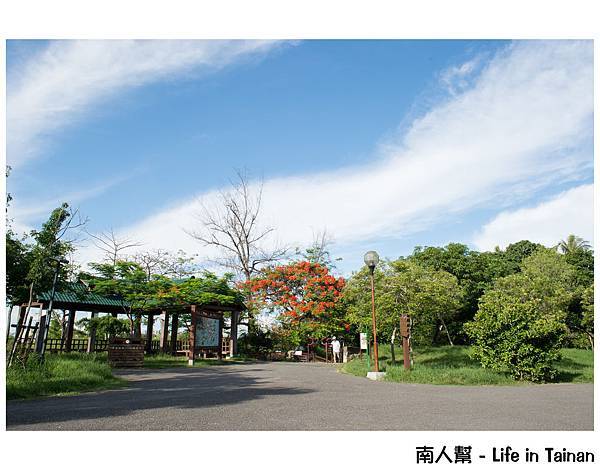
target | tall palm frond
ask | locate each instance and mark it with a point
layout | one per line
(572, 244)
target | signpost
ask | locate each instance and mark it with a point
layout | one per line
(405, 333)
(206, 333)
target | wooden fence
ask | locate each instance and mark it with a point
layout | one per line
(55, 345)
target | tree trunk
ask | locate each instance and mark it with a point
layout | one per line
(138, 326)
(447, 332)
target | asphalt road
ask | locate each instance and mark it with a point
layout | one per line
(292, 396)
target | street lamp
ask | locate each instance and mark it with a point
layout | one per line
(371, 260)
(43, 333)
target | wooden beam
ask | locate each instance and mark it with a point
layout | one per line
(149, 331)
(91, 346)
(192, 344)
(233, 332)
(39, 343)
(174, 328)
(70, 328)
(164, 331)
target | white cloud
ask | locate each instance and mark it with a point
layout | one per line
(457, 77)
(518, 128)
(570, 212)
(64, 81)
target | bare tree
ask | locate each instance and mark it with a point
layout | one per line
(232, 226)
(112, 246)
(164, 263)
(318, 251)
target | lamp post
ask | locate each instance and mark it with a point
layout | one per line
(371, 260)
(45, 325)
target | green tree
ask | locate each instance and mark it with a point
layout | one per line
(18, 264)
(127, 281)
(474, 271)
(431, 297)
(50, 243)
(583, 262)
(580, 318)
(105, 326)
(587, 321)
(130, 282)
(520, 324)
(515, 253)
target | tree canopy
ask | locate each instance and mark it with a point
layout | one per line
(304, 295)
(521, 321)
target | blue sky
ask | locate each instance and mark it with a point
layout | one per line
(386, 144)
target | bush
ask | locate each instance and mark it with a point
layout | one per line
(520, 324)
(255, 344)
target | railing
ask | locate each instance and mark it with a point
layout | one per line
(77, 345)
(55, 345)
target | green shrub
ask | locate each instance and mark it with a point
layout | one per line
(520, 324)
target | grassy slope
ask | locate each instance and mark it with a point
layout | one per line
(451, 365)
(61, 374)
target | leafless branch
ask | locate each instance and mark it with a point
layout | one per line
(233, 228)
(111, 245)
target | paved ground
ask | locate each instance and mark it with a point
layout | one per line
(288, 396)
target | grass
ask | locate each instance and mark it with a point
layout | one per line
(60, 374)
(160, 361)
(70, 373)
(451, 365)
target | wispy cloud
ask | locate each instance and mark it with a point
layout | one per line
(24, 209)
(62, 82)
(519, 127)
(458, 78)
(547, 223)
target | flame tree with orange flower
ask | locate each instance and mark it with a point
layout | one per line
(306, 297)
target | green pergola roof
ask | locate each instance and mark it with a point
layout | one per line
(78, 294)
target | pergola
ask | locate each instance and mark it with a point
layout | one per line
(198, 312)
(78, 297)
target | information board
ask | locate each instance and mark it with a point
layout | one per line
(207, 332)
(363, 341)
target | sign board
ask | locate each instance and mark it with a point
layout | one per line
(207, 332)
(363, 341)
(405, 326)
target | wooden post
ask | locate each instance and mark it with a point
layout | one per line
(220, 350)
(405, 332)
(91, 346)
(149, 331)
(26, 337)
(63, 330)
(39, 344)
(20, 321)
(233, 333)
(174, 328)
(192, 344)
(70, 328)
(164, 331)
(9, 309)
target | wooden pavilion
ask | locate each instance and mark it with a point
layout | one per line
(206, 332)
